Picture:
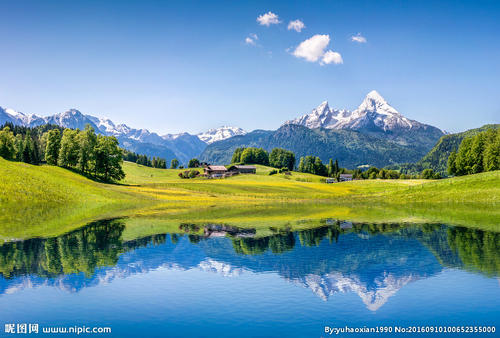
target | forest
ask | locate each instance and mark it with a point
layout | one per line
(84, 151)
(476, 154)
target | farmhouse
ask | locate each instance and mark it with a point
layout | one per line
(215, 170)
(243, 169)
(345, 177)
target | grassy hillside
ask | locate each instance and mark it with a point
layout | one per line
(42, 199)
(437, 157)
(46, 200)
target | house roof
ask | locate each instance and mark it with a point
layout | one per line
(345, 175)
(216, 167)
(245, 166)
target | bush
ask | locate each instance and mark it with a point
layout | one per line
(273, 172)
(189, 173)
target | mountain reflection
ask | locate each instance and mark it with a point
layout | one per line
(372, 260)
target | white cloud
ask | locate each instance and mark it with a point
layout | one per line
(268, 19)
(313, 48)
(251, 39)
(358, 38)
(331, 57)
(296, 25)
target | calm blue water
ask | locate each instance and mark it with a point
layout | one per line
(290, 284)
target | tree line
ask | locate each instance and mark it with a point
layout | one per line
(154, 162)
(81, 150)
(24, 144)
(278, 158)
(476, 154)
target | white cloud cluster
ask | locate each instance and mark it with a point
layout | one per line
(313, 50)
(268, 19)
(358, 38)
(251, 39)
(331, 57)
(296, 25)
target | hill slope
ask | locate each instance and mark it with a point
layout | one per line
(437, 157)
(350, 147)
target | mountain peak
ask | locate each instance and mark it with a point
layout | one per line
(374, 114)
(375, 103)
(221, 133)
(374, 95)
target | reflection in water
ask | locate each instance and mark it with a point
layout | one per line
(371, 260)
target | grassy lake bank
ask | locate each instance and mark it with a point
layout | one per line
(39, 201)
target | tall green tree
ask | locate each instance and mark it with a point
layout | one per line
(452, 170)
(53, 146)
(237, 155)
(330, 168)
(491, 159)
(108, 159)
(193, 163)
(69, 150)
(29, 152)
(282, 158)
(174, 163)
(7, 144)
(87, 141)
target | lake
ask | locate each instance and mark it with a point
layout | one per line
(218, 280)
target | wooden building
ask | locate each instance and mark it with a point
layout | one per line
(215, 170)
(345, 177)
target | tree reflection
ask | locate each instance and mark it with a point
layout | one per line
(100, 244)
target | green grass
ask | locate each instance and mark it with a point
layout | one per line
(47, 200)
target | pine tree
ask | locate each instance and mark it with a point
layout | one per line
(330, 168)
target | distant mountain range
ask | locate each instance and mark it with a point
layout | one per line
(373, 134)
(182, 146)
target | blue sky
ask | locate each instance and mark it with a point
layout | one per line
(173, 66)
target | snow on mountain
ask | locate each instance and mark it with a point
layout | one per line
(183, 146)
(373, 114)
(218, 134)
(18, 118)
(372, 296)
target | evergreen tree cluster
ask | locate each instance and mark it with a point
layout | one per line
(155, 162)
(24, 144)
(81, 150)
(476, 154)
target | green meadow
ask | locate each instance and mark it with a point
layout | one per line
(48, 201)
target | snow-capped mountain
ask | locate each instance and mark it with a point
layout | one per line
(219, 134)
(373, 114)
(183, 146)
(373, 296)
